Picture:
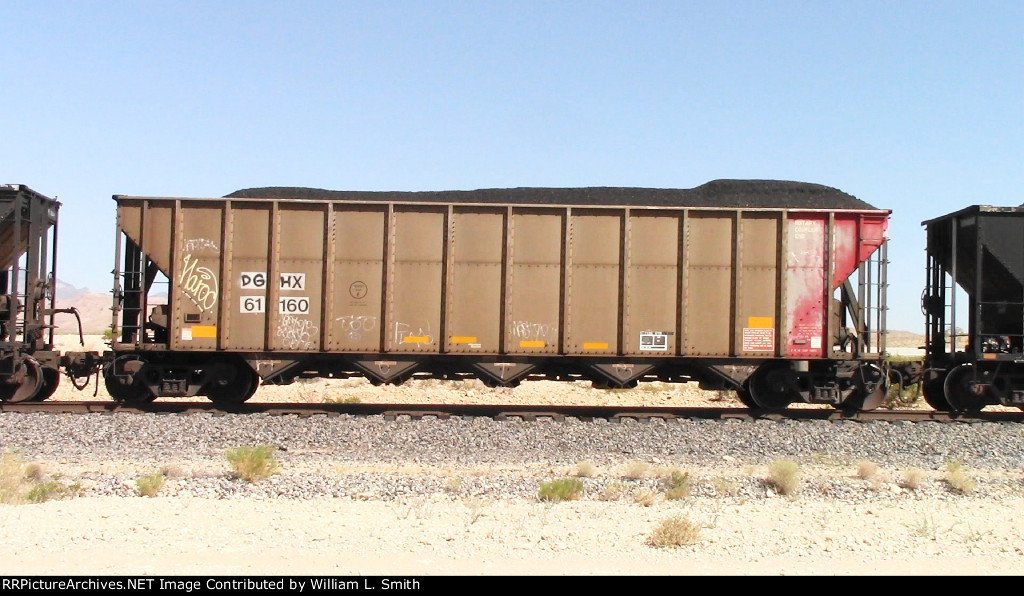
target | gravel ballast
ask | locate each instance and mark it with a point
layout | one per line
(367, 495)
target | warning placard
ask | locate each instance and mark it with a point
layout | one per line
(758, 339)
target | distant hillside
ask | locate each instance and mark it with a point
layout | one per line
(94, 308)
(904, 339)
(66, 290)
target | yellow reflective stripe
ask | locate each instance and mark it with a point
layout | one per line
(204, 331)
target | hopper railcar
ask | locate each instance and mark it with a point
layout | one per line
(29, 364)
(974, 350)
(773, 289)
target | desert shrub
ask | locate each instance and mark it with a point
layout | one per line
(476, 506)
(677, 485)
(48, 490)
(673, 532)
(614, 491)
(645, 497)
(635, 470)
(958, 478)
(867, 470)
(585, 469)
(453, 485)
(253, 463)
(12, 479)
(150, 484)
(912, 479)
(563, 489)
(784, 476)
(34, 472)
(172, 471)
(724, 486)
(22, 482)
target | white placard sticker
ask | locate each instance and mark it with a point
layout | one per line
(293, 281)
(254, 280)
(252, 304)
(293, 305)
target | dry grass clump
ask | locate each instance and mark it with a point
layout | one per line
(563, 489)
(22, 482)
(173, 471)
(674, 532)
(958, 478)
(912, 479)
(150, 484)
(867, 470)
(724, 486)
(645, 497)
(253, 463)
(784, 476)
(677, 485)
(614, 491)
(453, 485)
(585, 469)
(635, 470)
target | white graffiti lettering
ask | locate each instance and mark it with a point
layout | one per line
(417, 334)
(527, 330)
(296, 333)
(195, 244)
(198, 283)
(354, 326)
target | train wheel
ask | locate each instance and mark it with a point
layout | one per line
(771, 386)
(934, 391)
(231, 383)
(872, 388)
(961, 390)
(121, 378)
(743, 393)
(51, 379)
(25, 383)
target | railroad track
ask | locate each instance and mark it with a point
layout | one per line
(503, 412)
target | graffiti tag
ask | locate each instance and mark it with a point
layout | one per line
(354, 326)
(295, 333)
(198, 283)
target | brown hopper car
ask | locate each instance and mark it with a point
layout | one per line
(29, 365)
(773, 289)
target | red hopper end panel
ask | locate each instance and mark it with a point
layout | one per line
(816, 243)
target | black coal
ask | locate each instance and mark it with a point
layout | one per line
(778, 194)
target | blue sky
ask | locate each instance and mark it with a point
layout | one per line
(912, 106)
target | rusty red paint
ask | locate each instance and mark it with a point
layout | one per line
(855, 237)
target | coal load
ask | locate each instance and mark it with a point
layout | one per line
(733, 194)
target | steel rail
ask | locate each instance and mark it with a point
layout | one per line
(506, 412)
